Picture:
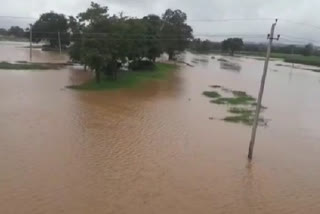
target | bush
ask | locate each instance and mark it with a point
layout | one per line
(142, 65)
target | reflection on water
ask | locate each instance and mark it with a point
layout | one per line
(126, 151)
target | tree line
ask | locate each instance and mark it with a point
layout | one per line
(232, 45)
(15, 31)
(105, 42)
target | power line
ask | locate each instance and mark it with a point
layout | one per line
(17, 17)
(149, 35)
(300, 38)
(231, 20)
(305, 24)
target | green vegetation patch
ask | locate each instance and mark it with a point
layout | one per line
(240, 98)
(290, 58)
(235, 110)
(211, 94)
(305, 60)
(26, 66)
(243, 118)
(242, 105)
(128, 79)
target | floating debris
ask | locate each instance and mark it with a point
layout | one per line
(230, 66)
(222, 60)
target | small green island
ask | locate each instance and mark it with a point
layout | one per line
(23, 65)
(128, 79)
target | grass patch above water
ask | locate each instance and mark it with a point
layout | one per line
(128, 79)
(243, 118)
(240, 98)
(235, 110)
(290, 58)
(211, 94)
(242, 105)
(26, 66)
(305, 60)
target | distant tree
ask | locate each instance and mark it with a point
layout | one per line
(175, 33)
(47, 28)
(308, 50)
(3, 32)
(16, 31)
(204, 45)
(232, 45)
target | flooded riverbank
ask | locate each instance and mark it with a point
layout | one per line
(153, 149)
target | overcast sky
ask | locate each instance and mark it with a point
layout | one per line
(287, 10)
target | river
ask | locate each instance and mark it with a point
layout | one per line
(154, 149)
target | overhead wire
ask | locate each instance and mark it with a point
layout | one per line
(98, 35)
(231, 20)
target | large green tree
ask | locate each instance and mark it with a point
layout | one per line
(232, 45)
(105, 42)
(100, 44)
(153, 24)
(47, 27)
(175, 33)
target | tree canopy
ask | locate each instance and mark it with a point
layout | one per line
(232, 45)
(47, 27)
(104, 42)
(16, 31)
(176, 34)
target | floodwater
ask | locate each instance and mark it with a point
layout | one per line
(153, 149)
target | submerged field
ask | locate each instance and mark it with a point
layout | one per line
(290, 58)
(154, 150)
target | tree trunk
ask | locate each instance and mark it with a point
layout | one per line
(85, 67)
(232, 52)
(98, 76)
(116, 74)
(171, 56)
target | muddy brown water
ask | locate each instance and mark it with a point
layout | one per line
(153, 149)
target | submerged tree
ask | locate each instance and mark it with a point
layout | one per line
(175, 33)
(47, 28)
(105, 42)
(153, 29)
(232, 45)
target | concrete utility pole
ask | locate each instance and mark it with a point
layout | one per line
(59, 39)
(30, 43)
(263, 80)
